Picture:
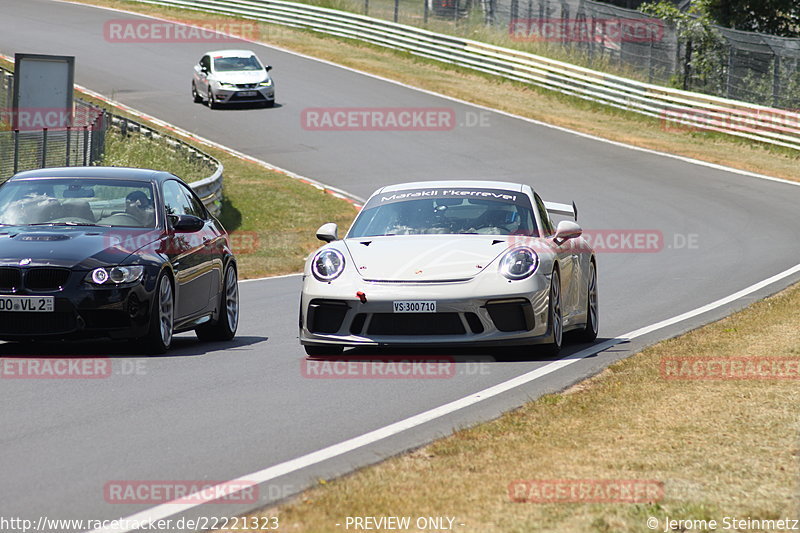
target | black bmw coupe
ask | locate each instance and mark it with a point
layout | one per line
(121, 253)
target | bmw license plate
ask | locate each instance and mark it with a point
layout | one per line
(248, 93)
(29, 304)
(415, 306)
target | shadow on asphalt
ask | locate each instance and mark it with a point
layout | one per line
(182, 346)
(461, 355)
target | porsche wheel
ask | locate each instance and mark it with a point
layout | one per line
(589, 332)
(554, 317)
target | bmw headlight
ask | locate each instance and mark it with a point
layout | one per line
(115, 275)
(267, 83)
(327, 264)
(519, 263)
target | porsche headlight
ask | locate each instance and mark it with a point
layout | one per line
(115, 275)
(519, 263)
(327, 264)
(267, 83)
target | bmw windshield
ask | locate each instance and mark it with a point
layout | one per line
(77, 202)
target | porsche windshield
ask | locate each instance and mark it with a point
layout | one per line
(444, 216)
(77, 202)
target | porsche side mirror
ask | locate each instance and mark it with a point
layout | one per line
(328, 232)
(566, 230)
(186, 223)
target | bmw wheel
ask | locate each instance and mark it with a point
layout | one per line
(162, 318)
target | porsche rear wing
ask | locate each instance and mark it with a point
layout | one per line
(562, 209)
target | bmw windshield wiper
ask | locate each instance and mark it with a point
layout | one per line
(67, 224)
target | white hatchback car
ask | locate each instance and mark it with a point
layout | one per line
(232, 76)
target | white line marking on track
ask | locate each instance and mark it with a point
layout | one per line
(165, 510)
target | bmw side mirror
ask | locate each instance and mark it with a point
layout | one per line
(328, 232)
(566, 230)
(186, 223)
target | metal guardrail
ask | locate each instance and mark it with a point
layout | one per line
(208, 189)
(680, 108)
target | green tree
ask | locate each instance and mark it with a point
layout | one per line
(776, 17)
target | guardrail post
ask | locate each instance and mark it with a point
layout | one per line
(396, 9)
(425, 11)
(69, 146)
(776, 80)
(85, 145)
(729, 76)
(366, 7)
(16, 151)
(44, 148)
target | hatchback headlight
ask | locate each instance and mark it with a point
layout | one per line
(519, 263)
(267, 83)
(226, 85)
(115, 275)
(327, 264)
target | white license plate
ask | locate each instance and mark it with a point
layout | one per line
(248, 93)
(30, 304)
(415, 306)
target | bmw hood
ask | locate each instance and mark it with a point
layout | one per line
(424, 257)
(85, 247)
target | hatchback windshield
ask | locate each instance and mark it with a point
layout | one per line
(234, 64)
(445, 216)
(77, 202)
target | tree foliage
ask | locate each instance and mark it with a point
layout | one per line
(776, 17)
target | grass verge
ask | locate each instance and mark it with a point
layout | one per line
(135, 150)
(721, 448)
(513, 97)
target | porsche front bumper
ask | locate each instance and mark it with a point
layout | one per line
(482, 311)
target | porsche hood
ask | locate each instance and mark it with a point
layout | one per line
(421, 258)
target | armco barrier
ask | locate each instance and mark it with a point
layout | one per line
(208, 189)
(692, 110)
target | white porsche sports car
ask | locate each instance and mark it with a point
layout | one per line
(450, 263)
